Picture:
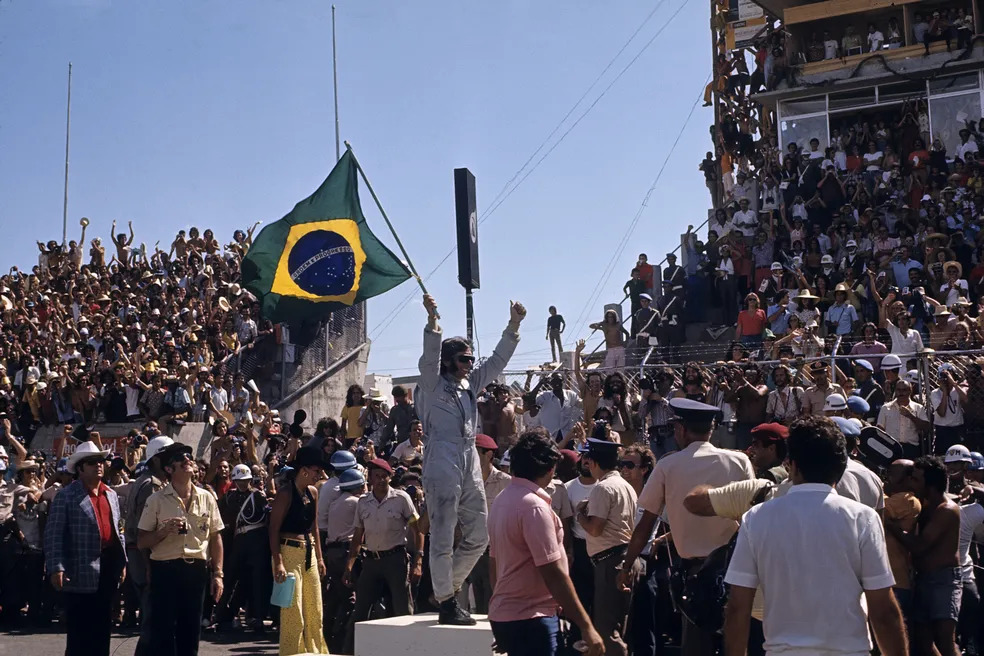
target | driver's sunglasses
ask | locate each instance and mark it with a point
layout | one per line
(181, 458)
(627, 464)
(95, 461)
(466, 359)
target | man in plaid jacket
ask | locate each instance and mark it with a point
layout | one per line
(84, 552)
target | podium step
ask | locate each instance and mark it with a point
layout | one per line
(421, 635)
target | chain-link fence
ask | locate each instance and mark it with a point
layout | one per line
(317, 347)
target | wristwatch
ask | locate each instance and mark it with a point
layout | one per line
(217, 574)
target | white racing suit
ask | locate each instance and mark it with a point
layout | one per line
(453, 486)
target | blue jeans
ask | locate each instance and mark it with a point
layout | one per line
(533, 637)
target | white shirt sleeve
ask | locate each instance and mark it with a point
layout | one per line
(875, 573)
(743, 570)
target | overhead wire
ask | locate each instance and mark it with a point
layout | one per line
(497, 202)
(623, 242)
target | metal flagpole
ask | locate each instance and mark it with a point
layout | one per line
(68, 132)
(399, 243)
(334, 72)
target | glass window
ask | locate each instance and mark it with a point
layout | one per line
(949, 115)
(954, 83)
(801, 130)
(853, 98)
(888, 93)
(803, 106)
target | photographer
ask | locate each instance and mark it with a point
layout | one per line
(655, 413)
(374, 419)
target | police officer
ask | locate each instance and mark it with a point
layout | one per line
(248, 575)
(447, 405)
(339, 599)
(697, 462)
(607, 517)
(381, 521)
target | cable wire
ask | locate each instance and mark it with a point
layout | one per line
(610, 267)
(386, 322)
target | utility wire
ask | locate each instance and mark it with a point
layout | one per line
(380, 328)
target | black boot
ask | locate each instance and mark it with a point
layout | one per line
(452, 613)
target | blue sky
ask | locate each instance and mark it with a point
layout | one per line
(219, 113)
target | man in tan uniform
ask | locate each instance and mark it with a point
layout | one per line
(607, 517)
(697, 462)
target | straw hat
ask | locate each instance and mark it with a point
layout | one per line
(806, 295)
(224, 304)
(941, 311)
(954, 264)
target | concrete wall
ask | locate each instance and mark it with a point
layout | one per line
(327, 398)
(114, 437)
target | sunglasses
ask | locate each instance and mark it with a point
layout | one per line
(181, 458)
(94, 461)
(627, 464)
(466, 359)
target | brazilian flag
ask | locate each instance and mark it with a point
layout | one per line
(322, 256)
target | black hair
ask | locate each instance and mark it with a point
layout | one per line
(606, 459)
(327, 427)
(646, 457)
(781, 447)
(450, 348)
(399, 390)
(934, 472)
(534, 455)
(414, 422)
(350, 394)
(608, 389)
(818, 448)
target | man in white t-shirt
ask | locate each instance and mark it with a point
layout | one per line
(745, 219)
(582, 572)
(946, 402)
(831, 48)
(835, 543)
(967, 147)
(875, 39)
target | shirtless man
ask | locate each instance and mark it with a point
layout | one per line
(694, 386)
(615, 335)
(498, 415)
(590, 385)
(935, 551)
(123, 244)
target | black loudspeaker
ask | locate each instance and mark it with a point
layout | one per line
(466, 218)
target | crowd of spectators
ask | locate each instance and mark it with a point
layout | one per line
(129, 335)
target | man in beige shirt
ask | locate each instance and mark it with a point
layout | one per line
(180, 525)
(607, 517)
(339, 599)
(815, 396)
(675, 476)
(381, 521)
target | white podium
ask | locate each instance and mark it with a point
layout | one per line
(421, 635)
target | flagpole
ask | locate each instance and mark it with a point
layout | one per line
(68, 132)
(334, 72)
(399, 243)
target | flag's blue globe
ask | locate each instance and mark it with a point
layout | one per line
(322, 263)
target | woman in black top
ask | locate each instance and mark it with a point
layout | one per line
(296, 549)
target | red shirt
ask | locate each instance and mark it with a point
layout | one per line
(104, 516)
(647, 273)
(752, 323)
(222, 488)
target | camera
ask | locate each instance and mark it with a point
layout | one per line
(600, 430)
(184, 527)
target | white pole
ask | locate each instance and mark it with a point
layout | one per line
(68, 132)
(334, 70)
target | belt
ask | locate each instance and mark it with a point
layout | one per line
(305, 544)
(182, 561)
(337, 545)
(376, 555)
(608, 553)
(247, 529)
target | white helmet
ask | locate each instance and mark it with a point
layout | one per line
(835, 403)
(957, 453)
(241, 473)
(911, 377)
(891, 361)
(155, 445)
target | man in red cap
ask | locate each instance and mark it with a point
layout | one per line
(768, 451)
(495, 482)
(381, 521)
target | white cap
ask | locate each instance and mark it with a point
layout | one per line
(835, 403)
(155, 445)
(776, 266)
(827, 259)
(957, 453)
(911, 377)
(851, 242)
(891, 361)
(241, 473)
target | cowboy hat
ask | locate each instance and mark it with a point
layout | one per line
(235, 289)
(224, 304)
(806, 295)
(376, 395)
(841, 287)
(941, 311)
(954, 264)
(83, 451)
(28, 465)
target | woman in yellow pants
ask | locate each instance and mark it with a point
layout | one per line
(297, 551)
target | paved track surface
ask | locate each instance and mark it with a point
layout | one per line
(52, 643)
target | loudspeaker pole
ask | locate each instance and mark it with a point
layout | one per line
(469, 314)
(68, 140)
(466, 222)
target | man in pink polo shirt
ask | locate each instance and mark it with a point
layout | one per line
(527, 559)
